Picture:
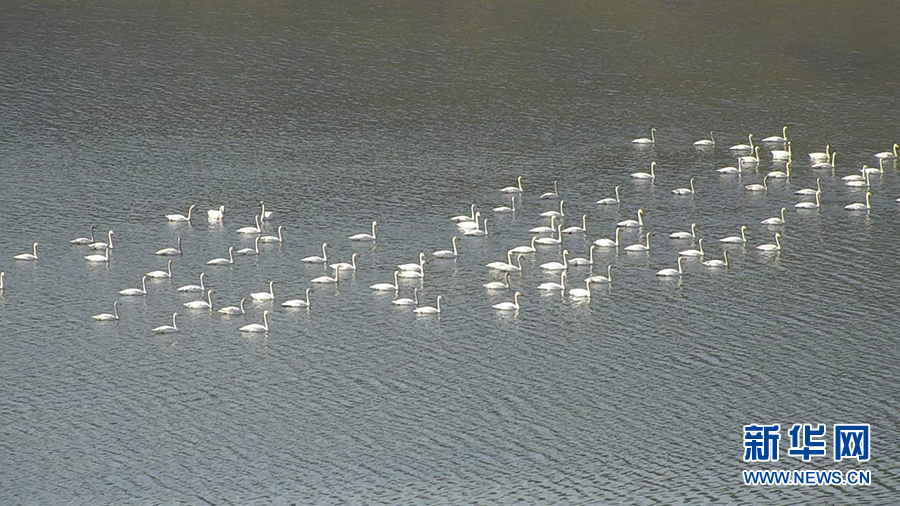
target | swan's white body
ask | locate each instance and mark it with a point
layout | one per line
(810, 205)
(250, 251)
(413, 266)
(429, 309)
(201, 304)
(733, 170)
(609, 200)
(107, 316)
(693, 252)
(444, 253)
(890, 154)
(552, 286)
(514, 189)
(104, 245)
(672, 272)
(633, 223)
(777, 174)
(81, 241)
(216, 214)
(171, 251)
(555, 266)
(498, 285)
(775, 138)
(744, 147)
(407, 301)
(640, 247)
(609, 243)
(810, 191)
(685, 191)
(344, 266)
(860, 206)
(826, 164)
(554, 194)
(735, 239)
(270, 295)
(716, 262)
(685, 235)
(707, 143)
(365, 237)
(771, 247)
(775, 221)
(577, 230)
(136, 291)
(582, 293)
(507, 209)
(167, 329)
(509, 306)
(545, 229)
(162, 274)
(465, 218)
(98, 258)
(251, 230)
(224, 261)
(758, 187)
(872, 170)
(526, 249)
(478, 232)
(584, 261)
(751, 160)
(383, 287)
(819, 156)
(297, 302)
(413, 274)
(470, 225)
(644, 140)
(328, 279)
(233, 309)
(782, 154)
(318, 259)
(603, 279)
(558, 214)
(255, 327)
(501, 265)
(645, 175)
(181, 217)
(272, 238)
(509, 267)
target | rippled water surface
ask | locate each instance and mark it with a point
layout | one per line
(115, 114)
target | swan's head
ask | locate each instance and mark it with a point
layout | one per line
(455, 238)
(477, 215)
(307, 292)
(35, 245)
(421, 257)
(565, 253)
(230, 249)
(354, 256)
(743, 228)
(271, 284)
(324, 245)
(374, 224)
(202, 275)
(641, 211)
(93, 227)
(680, 259)
(652, 165)
(192, 207)
(692, 180)
(653, 129)
(750, 136)
(222, 209)
(519, 179)
(169, 264)
(693, 227)
(143, 278)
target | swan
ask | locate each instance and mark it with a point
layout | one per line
(781, 154)
(166, 329)
(609, 200)
(551, 240)
(526, 249)
(672, 272)
(603, 279)
(383, 287)
(407, 301)
(413, 266)
(509, 306)
(2, 275)
(711, 142)
(733, 170)
(193, 288)
(414, 274)
(498, 285)
(29, 256)
(263, 214)
(512, 268)
(429, 309)
(693, 252)
(216, 214)
(255, 327)
(577, 230)
(224, 261)
(810, 191)
(810, 205)
(582, 293)
(318, 259)
(819, 156)
(758, 187)
(555, 266)
(873, 170)
(104, 245)
(514, 189)
(81, 241)
(744, 147)
(644, 140)
(443, 253)
(162, 274)
(171, 251)
(201, 304)
(558, 214)
(632, 223)
(826, 164)
(345, 266)
(107, 316)
(735, 239)
(465, 218)
(716, 262)
(251, 230)
(232, 309)
(470, 225)
(685, 235)
(864, 174)
(271, 238)
(551, 286)
(584, 261)
(685, 191)
(545, 229)
(365, 237)
(270, 295)
(775, 221)
(890, 154)
(507, 209)
(181, 217)
(641, 247)
(136, 291)
(328, 279)
(752, 159)
(609, 243)
(554, 194)
(771, 247)
(250, 251)
(501, 265)
(478, 232)
(98, 258)
(859, 206)
(777, 174)
(775, 138)
(298, 302)
(644, 175)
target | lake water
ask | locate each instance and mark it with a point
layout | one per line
(115, 114)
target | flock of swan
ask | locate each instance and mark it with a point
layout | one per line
(475, 224)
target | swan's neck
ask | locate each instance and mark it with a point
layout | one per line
(640, 218)
(177, 243)
(519, 183)
(373, 229)
(782, 214)
(618, 231)
(272, 288)
(692, 185)
(652, 170)
(778, 241)
(473, 212)
(587, 286)
(34, 250)
(561, 213)
(324, 253)
(516, 300)
(591, 257)
(653, 136)
(562, 279)
(230, 255)
(679, 265)
(396, 280)
(584, 222)
(174, 326)
(867, 200)
(713, 139)
(115, 306)
(190, 211)
(617, 194)
(556, 186)
(353, 262)
(92, 234)
(647, 240)
(439, 304)
(750, 138)
(168, 265)
(743, 236)
(609, 272)
(242, 306)
(266, 321)
(209, 298)
(280, 236)
(144, 285)
(454, 247)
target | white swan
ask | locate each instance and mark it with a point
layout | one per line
(860, 206)
(255, 327)
(216, 214)
(775, 138)
(554, 194)
(318, 259)
(347, 266)
(2, 276)
(644, 140)
(550, 240)
(256, 229)
(526, 249)
(512, 268)
(429, 309)
(685, 191)
(609, 243)
(104, 245)
(29, 256)
(733, 170)
(685, 235)
(644, 175)
(272, 238)
(232, 309)
(873, 170)
(107, 316)
(777, 174)
(862, 176)
(81, 241)
(507, 209)
(407, 301)
(166, 329)
(443, 253)
(136, 291)
(465, 218)
(577, 230)
(826, 164)
(818, 156)
(509, 306)
(810, 191)
(706, 143)
(250, 251)
(270, 295)
(555, 266)
(633, 223)
(478, 232)
(758, 187)
(501, 265)
(201, 304)
(193, 288)
(297, 302)
(672, 272)
(171, 251)
(514, 189)
(552, 286)
(162, 274)
(470, 225)
(498, 285)
(744, 147)
(782, 154)
(582, 293)
(890, 154)
(558, 214)
(771, 247)
(98, 258)
(775, 221)
(609, 200)
(181, 217)
(693, 252)
(716, 262)
(413, 266)
(414, 274)
(735, 239)
(584, 261)
(224, 261)
(751, 160)
(365, 237)
(640, 247)
(383, 287)
(603, 279)
(545, 229)
(810, 205)
(328, 279)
